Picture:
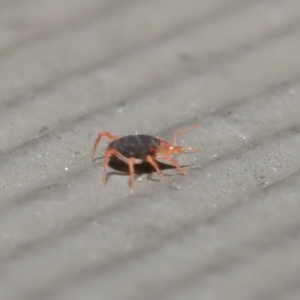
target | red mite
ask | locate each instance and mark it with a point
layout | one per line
(136, 149)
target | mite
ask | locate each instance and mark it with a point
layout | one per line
(136, 149)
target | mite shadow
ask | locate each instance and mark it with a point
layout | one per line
(121, 168)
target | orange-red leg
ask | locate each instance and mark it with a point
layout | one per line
(130, 161)
(107, 155)
(174, 163)
(182, 130)
(97, 140)
(153, 163)
(131, 171)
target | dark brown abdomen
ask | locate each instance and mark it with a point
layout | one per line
(137, 146)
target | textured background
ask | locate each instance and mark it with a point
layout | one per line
(230, 229)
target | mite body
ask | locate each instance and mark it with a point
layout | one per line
(136, 146)
(136, 149)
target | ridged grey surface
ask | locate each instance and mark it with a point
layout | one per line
(230, 229)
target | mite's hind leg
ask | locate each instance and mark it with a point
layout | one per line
(174, 163)
(107, 155)
(97, 140)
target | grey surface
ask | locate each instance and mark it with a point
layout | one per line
(230, 229)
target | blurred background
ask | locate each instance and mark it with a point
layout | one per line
(70, 69)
